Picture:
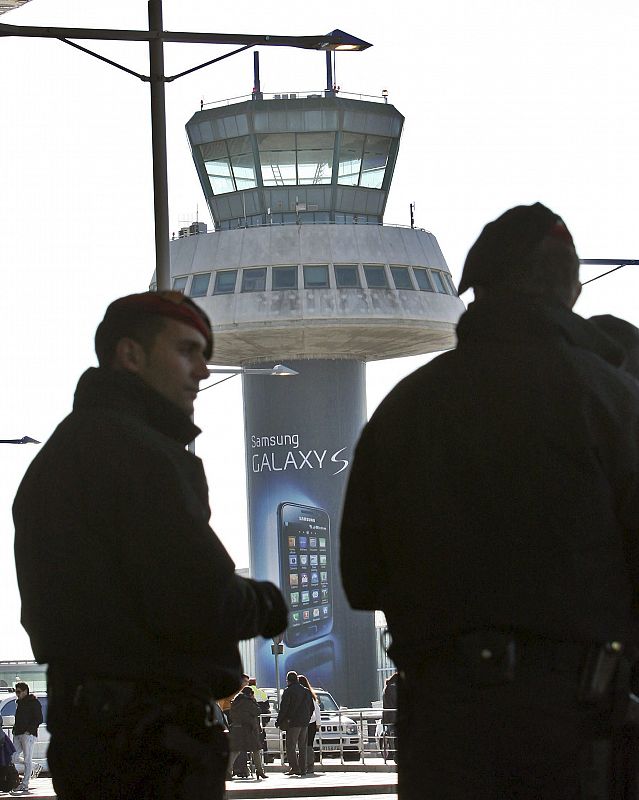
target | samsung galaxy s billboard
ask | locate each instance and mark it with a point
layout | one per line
(301, 433)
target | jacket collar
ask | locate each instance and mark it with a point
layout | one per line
(127, 394)
(524, 319)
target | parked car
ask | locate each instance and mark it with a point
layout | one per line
(337, 733)
(8, 711)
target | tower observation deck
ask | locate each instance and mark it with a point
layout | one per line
(300, 264)
(301, 269)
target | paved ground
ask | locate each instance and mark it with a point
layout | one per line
(331, 783)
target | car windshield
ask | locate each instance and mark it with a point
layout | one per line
(326, 702)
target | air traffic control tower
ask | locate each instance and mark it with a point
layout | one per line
(302, 270)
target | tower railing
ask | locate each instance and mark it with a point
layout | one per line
(307, 93)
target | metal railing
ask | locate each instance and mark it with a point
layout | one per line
(358, 737)
(304, 94)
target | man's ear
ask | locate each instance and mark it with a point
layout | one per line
(129, 355)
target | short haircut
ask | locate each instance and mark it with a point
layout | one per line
(22, 687)
(291, 677)
(142, 328)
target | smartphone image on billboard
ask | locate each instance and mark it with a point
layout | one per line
(305, 571)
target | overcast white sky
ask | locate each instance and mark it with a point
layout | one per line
(505, 103)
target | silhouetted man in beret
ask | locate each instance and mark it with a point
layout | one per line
(492, 513)
(127, 593)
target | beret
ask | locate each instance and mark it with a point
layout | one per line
(505, 245)
(173, 305)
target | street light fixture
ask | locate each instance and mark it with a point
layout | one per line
(278, 369)
(24, 440)
(156, 36)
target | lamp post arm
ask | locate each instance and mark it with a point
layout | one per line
(170, 78)
(326, 42)
(105, 59)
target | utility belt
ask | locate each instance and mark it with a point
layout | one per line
(488, 657)
(169, 740)
(128, 709)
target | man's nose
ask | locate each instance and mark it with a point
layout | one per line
(202, 370)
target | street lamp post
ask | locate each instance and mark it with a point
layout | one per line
(23, 440)
(156, 37)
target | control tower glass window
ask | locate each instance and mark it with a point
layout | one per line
(229, 165)
(284, 278)
(315, 157)
(316, 277)
(439, 283)
(179, 284)
(288, 159)
(423, 279)
(277, 156)
(200, 285)
(346, 276)
(225, 281)
(375, 276)
(449, 282)
(362, 160)
(254, 280)
(401, 278)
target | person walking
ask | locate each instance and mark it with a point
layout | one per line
(261, 698)
(389, 714)
(492, 513)
(296, 709)
(131, 598)
(27, 722)
(313, 725)
(245, 731)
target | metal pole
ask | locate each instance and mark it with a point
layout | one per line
(329, 75)
(257, 89)
(277, 674)
(158, 138)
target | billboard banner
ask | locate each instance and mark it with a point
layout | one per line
(301, 433)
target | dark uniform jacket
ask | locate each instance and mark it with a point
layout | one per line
(119, 572)
(296, 707)
(498, 486)
(244, 728)
(28, 715)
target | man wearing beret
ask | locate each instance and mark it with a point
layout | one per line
(127, 593)
(492, 513)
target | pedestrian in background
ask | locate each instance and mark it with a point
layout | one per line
(127, 593)
(261, 698)
(245, 731)
(296, 709)
(27, 722)
(390, 700)
(313, 725)
(492, 513)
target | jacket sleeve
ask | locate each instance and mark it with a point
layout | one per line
(284, 708)
(185, 580)
(360, 538)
